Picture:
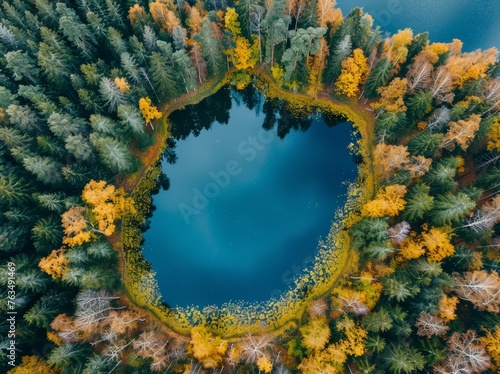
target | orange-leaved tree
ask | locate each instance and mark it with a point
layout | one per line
(391, 96)
(461, 133)
(55, 264)
(389, 159)
(148, 110)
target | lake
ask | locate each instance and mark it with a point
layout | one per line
(248, 201)
(476, 23)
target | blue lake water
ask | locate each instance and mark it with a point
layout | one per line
(475, 22)
(245, 208)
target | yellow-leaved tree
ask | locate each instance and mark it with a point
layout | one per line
(391, 96)
(264, 365)
(315, 334)
(105, 204)
(33, 365)
(491, 342)
(437, 243)
(494, 136)
(206, 348)
(148, 110)
(354, 72)
(388, 202)
(410, 248)
(231, 22)
(244, 55)
(447, 308)
(355, 336)
(55, 264)
(122, 85)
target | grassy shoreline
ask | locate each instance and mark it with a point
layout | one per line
(331, 263)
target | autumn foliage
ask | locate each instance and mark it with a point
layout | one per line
(353, 73)
(388, 202)
(206, 348)
(148, 110)
(55, 264)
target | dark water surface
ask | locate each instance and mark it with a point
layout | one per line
(245, 208)
(475, 22)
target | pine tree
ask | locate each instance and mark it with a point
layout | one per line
(451, 208)
(379, 77)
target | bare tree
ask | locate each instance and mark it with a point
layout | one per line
(429, 325)
(92, 307)
(465, 355)
(354, 305)
(399, 232)
(486, 217)
(318, 308)
(492, 96)
(419, 74)
(440, 117)
(480, 288)
(442, 85)
(257, 24)
(255, 347)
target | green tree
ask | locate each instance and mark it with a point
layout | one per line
(303, 43)
(131, 118)
(47, 233)
(402, 358)
(380, 321)
(114, 154)
(67, 355)
(378, 77)
(185, 69)
(211, 48)
(441, 176)
(64, 125)
(23, 118)
(451, 208)
(116, 40)
(111, 94)
(45, 169)
(369, 230)
(163, 76)
(418, 203)
(22, 66)
(426, 143)
(80, 147)
(419, 104)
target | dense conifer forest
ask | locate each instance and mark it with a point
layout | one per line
(85, 90)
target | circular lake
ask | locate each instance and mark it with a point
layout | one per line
(252, 190)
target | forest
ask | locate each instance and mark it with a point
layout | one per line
(86, 88)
